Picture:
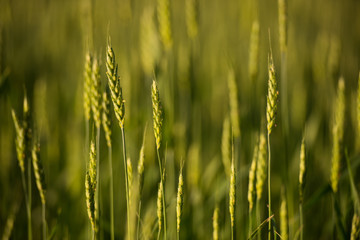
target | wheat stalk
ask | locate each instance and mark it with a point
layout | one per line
(140, 169)
(106, 123)
(338, 131)
(119, 109)
(251, 188)
(157, 125)
(271, 108)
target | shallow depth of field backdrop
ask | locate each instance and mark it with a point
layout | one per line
(43, 45)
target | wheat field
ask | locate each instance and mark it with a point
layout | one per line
(190, 119)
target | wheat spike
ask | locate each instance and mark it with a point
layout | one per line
(272, 96)
(191, 18)
(232, 193)
(39, 172)
(160, 206)
(261, 167)
(95, 93)
(338, 131)
(141, 162)
(226, 146)
(157, 114)
(27, 128)
(233, 98)
(163, 15)
(216, 223)
(254, 51)
(355, 230)
(90, 187)
(179, 200)
(114, 85)
(149, 41)
(19, 142)
(87, 85)
(130, 176)
(252, 178)
(106, 117)
(302, 170)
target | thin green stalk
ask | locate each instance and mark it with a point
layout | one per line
(44, 221)
(301, 222)
(250, 223)
(98, 179)
(26, 203)
(258, 216)
(126, 182)
(138, 223)
(269, 184)
(162, 183)
(178, 235)
(111, 193)
(29, 201)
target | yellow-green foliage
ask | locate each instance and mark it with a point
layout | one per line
(283, 218)
(191, 18)
(283, 24)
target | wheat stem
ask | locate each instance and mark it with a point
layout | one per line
(111, 192)
(163, 192)
(44, 221)
(126, 181)
(269, 184)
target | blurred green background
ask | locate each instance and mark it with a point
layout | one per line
(42, 49)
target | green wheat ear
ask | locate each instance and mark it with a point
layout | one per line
(114, 85)
(90, 187)
(252, 172)
(226, 146)
(39, 172)
(216, 223)
(234, 108)
(272, 96)
(254, 51)
(157, 114)
(87, 85)
(163, 15)
(179, 199)
(355, 227)
(19, 141)
(106, 117)
(302, 170)
(338, 132)
(95, 93)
